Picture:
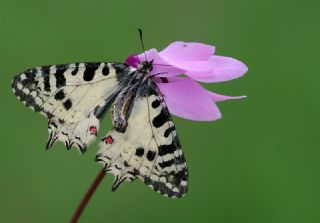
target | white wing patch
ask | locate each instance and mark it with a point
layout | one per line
(149, 149)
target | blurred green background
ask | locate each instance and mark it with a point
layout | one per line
(258, 164)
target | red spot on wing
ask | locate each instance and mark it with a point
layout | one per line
(108, 140)
(93, 130)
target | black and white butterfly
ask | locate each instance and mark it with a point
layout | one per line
(143, 142)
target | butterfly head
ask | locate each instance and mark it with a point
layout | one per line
(146, 67)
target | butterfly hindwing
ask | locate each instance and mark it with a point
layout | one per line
(148, 149)
(80, 134)
(72, 96)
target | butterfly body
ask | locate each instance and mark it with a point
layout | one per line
(133, 82)
(143, 142)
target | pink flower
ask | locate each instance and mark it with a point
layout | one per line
(183, 95)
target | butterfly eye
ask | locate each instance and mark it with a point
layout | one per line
(108, 140)
(93, 130)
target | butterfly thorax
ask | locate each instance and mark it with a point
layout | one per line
(145, 67)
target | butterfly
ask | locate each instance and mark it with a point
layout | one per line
(143, 142)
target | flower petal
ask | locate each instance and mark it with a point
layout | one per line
(184, 51)
(219, 97)
(170, 67)
(161, 68)
(223, 69)
(187, 99)
(190, 66)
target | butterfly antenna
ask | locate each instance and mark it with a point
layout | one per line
(144, 51)
(141, 40)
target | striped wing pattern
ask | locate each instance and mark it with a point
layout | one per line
(149, 149)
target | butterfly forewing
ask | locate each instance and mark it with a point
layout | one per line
(72, 96)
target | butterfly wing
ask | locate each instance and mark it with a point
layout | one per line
(73, 97)
(148, 149)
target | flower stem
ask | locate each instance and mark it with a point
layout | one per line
(87, 197)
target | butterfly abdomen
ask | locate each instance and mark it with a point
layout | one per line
(124, 101)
